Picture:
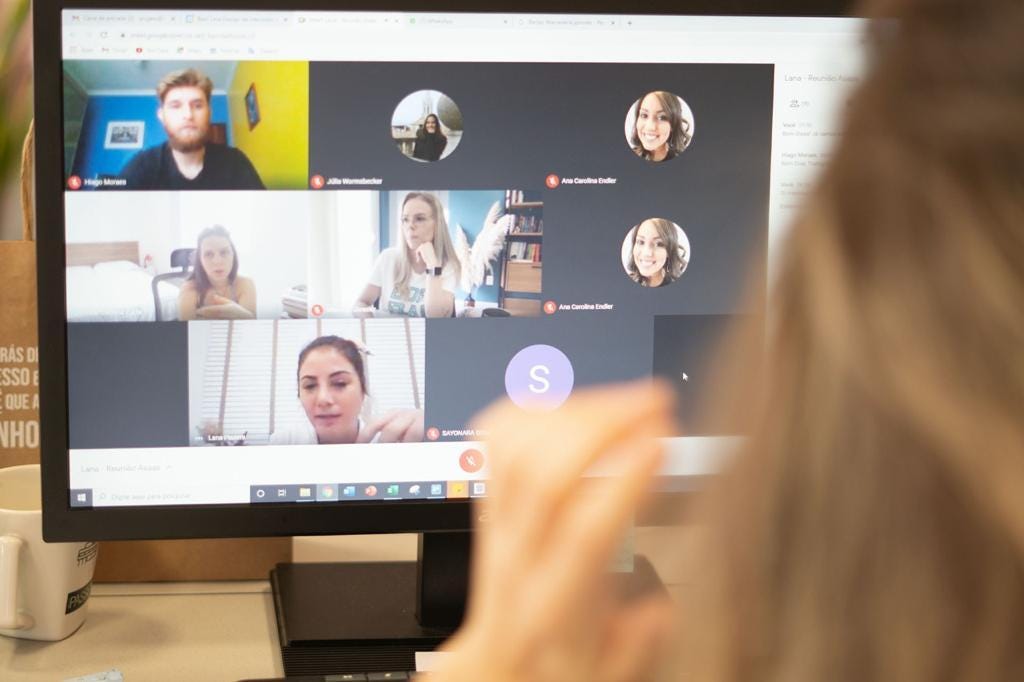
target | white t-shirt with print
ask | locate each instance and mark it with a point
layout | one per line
(413, 305)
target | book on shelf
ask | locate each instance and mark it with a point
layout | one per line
(523, 252)
(527, 224)
(518, 200)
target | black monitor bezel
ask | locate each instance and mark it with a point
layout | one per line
(60, 521)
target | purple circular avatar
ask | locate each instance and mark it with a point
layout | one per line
(539, 377)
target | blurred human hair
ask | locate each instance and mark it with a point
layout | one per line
(871, 527)
(184, 78)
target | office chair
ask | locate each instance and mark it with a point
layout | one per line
(181, 259)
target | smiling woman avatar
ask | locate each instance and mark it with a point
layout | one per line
(655, 253)
(332, 390)
(659, 126)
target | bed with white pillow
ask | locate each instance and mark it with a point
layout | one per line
(106, 284)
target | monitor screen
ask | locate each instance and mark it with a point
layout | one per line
(300, 249)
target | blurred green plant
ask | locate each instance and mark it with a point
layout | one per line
(15, 85)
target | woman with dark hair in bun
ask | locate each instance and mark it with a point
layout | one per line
(332, 389)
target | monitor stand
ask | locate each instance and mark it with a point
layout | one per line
(370, 617)
(374, 617)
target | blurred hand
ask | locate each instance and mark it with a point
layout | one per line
(425, 252)
(222, 308)
(397, 426)
(542, 607)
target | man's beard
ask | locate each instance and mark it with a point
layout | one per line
(188, 143)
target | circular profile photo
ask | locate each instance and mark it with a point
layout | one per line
(655, 253)
(427, 125)
(659, 126)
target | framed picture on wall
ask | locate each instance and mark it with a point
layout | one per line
(124, 135)
(252, 107)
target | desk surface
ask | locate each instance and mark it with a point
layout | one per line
(160, 631)
(209, 631)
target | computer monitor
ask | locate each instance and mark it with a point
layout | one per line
(287, 251)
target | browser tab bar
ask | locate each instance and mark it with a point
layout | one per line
(494, 37)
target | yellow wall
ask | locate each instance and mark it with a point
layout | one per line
(279, 144)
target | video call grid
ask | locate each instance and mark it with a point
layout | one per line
(651, 193)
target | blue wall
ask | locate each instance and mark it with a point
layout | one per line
(91, 159)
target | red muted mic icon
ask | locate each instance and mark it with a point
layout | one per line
(471, 461)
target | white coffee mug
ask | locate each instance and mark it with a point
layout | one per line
(44, 587)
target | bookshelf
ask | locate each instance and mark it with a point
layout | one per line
(521, 257)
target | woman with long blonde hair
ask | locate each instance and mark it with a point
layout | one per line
(871, 527)
(418, 277)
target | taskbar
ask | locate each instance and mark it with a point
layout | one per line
(286, 493)
(341, 492)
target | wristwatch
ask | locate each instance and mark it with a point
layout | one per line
(435, 271)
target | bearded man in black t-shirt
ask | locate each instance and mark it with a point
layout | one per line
(188, 160)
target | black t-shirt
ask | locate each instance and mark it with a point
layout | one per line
(223, 168)
(429, 147)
